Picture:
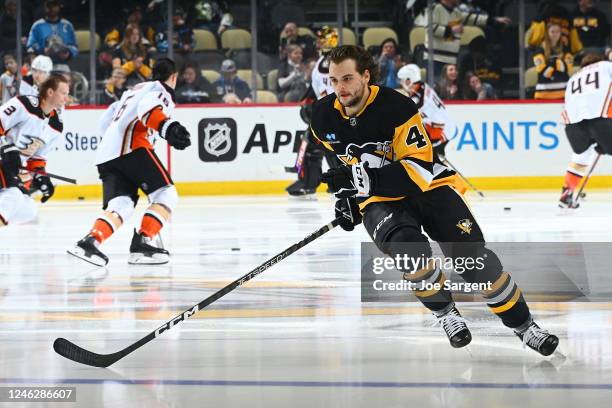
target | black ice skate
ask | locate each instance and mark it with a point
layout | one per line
(454, 325)
(298, 189)
(142, 252)
(87, 250)
(538, 339)
(567, 199)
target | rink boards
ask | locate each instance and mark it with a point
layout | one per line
(243, 149)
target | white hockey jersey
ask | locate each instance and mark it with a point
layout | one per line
(588, 94)
(23, 123)
(438, 123)
(27, 86)
(320, 78)
(133, 121)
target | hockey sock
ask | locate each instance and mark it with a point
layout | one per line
(506, 300)
(572, 178)
(427, 284)
(105, 226)
(153, 220)
(102, 229)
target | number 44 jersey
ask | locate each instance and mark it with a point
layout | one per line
(389, 135)
(134, 121)
(588, 93)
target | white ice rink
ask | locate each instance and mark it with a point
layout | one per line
(295, 336)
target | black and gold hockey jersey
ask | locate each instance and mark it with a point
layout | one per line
(389, 135)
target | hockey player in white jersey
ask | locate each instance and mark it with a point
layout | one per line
(588, 120)
(40, 69)
(438, 124)
(29, 126)
(310, 154)
(127, 162)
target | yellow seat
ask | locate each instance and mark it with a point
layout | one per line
(211, 75)
(348, 37)
(245, 75)
(469, 33)
(417, 37)
(272, 79)
(82, 40)
(236, 39)
(374, 36)
(266, 97)
(204, 40)
(531, 77)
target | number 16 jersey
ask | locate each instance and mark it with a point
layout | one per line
(134, 121)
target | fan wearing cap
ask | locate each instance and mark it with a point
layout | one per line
(231, 88)
(40, 69)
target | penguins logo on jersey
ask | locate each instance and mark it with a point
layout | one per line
(465, 226)
(372, 153)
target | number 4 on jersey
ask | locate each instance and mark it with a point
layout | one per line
(416, 137)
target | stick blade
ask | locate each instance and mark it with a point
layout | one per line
(75, 353)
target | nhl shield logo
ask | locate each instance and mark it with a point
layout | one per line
(217, 139)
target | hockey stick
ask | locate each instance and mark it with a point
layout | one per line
(75, 353)
(586, 179)
(55, 176)
(446, 162)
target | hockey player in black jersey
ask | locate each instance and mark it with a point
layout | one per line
(391, 183)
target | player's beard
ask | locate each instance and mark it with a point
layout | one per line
(356, 99)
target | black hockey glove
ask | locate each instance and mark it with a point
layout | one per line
(11, 159)
(348, 212)
(43, 183)
(349, 181)
(175, 134)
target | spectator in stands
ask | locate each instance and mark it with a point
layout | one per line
(65, 71)
(553, 13)
(481, 63)
(592, 26)
(290, 36)
(53, 36)
(475, 89)
(608, 53)
(292, 75)
(448, 22)
(134, 18)
(8, 27)
(114, 87)
(184, 41)
(193, 87)
(131, 55)
(214, 16)
(554, 62)
(448, 85)
(389, 62)
(230, 88)
(8, 79)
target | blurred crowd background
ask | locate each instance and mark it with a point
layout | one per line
(264, 51)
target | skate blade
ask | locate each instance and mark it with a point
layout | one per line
(303, 197)
(79, 253)
(142, 259)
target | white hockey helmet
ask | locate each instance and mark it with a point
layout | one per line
(42, 63)
(411, 72)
